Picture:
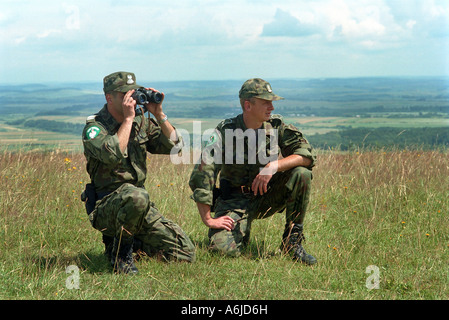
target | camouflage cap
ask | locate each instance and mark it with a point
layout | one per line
(257, 88)
(120, 81)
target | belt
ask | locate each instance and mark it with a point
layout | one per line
(241, 189)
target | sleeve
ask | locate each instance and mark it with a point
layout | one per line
(292, 141)
(202, 183)
(158, 143)
(204, 175)
(102, 146)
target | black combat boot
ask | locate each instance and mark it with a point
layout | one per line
(291, 243)
(122, 256)
(108, 244)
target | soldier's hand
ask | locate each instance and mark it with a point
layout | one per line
(224, 222)
(155, 108)
(260, 182)
(129, 105)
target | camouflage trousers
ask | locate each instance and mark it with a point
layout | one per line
(289, 190)
(128, 213)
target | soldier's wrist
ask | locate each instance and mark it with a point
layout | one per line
(161, 118)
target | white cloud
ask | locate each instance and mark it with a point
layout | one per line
(46, 33)
(285, 24)
(210, 38)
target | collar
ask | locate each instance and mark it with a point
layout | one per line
(108, 120)
(241, 124)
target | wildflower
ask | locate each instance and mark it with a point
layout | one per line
(428, 234)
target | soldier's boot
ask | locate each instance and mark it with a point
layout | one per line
(292, 243)
(122, 256)
(108, 244)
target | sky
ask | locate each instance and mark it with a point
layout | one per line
(66, 41)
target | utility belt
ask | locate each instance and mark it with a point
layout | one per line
(226, 190)
(241, 189)
(90, 197)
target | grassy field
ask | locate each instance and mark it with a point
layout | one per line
(377, 224)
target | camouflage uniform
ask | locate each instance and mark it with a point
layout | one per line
(123, 208)
(287, 190)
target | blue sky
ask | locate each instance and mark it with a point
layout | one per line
(47, 41)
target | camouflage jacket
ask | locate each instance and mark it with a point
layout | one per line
(107, 166)
(236, 165)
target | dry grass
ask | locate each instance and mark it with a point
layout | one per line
(387, 209)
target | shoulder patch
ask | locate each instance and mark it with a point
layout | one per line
(212, 139)
(92, 132)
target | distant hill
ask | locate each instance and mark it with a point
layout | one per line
(322, 97)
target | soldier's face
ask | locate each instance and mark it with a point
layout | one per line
(260, 109)
(116, 100)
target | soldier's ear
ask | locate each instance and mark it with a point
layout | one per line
(108, 97)
(247, 105)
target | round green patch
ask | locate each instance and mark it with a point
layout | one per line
(213, 138)
(92, 132)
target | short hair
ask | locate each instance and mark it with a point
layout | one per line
(242, 102)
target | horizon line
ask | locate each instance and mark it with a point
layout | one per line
(14, 83)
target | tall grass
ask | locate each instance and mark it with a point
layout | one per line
(387, 210)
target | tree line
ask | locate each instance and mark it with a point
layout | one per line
(387, 137)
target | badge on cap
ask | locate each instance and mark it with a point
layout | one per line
(130, 79)
(269, 88)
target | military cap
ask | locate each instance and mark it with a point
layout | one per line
(120, 81)
(257, 88)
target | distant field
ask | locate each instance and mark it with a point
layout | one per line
(315, 106)
(12, 138)
(25, 138)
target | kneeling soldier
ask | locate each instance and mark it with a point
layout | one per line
(116, 141)
(250, 186)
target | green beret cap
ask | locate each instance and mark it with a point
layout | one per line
(257, 88)
(120, 81)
